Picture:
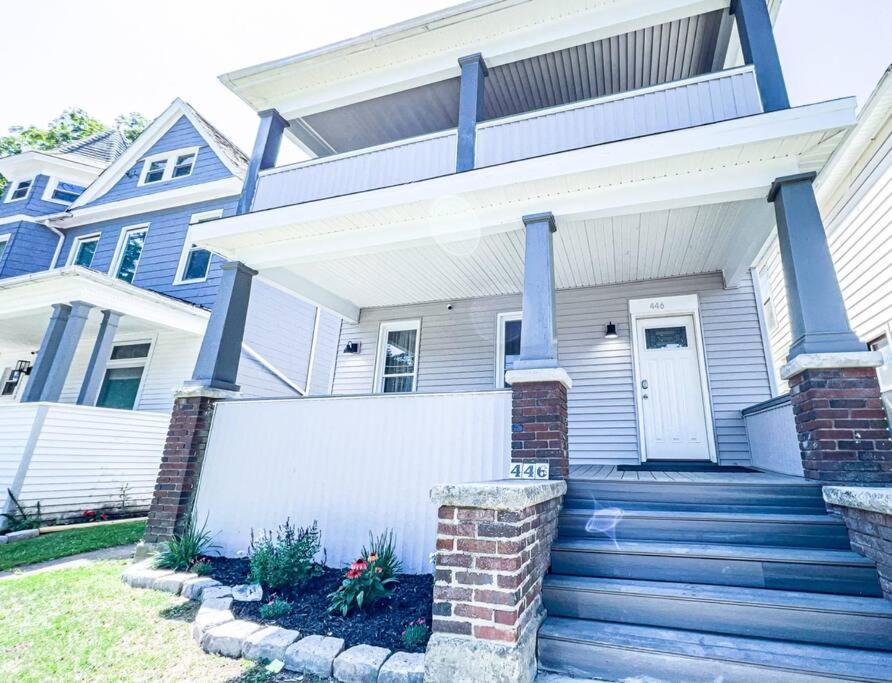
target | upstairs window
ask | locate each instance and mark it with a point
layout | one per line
(129, 252)
(398, 357)
(155, 172)
(160, 168)
(124, 375)
(64, 193)
(183, 165)
(83, 251)
(4, 240)
(20, 190)
(195, 262)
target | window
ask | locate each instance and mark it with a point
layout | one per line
(398, 356)
(168, 166)
(65, 193)
(83, 251)
(129, 252)
(507, 345)
(767, 304)
(4, 240)
(195, 261)
(665, 338)
(155, 172)
(183, 165)
(19, 190)
(12, 377)
(123, 375)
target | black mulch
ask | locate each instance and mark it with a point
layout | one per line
(381, 624)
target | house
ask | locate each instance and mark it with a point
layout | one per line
(104, 300)
(537, 221)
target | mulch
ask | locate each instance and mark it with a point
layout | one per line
(381, 625)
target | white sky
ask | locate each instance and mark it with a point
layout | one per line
(109, 58)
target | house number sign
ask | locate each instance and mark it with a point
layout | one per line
(530, 470)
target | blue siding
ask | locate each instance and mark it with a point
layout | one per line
(29, 250)
(33, 205)
(161, 253)
(208, 166)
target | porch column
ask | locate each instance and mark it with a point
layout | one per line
(263, 156)
(539, 385)
(57, 351)
(47, 353)
(470, 109)
(99, 358)
(834, 390)
(760, 50)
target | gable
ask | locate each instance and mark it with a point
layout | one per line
(181, 135)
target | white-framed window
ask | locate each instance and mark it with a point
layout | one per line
(129, 252)
(767, 303)
(195, 262)
(19, 190)
(508, 328)
(12, 378)
(61, 192)
(83, 250)
(397, 363)
(4, 242)
(124, 373)
(167, 166)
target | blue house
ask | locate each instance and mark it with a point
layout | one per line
(104, 301)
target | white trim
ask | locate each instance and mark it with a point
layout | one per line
(539, 375)
(316, 319)
(129, 340)
(51, 186)
(825, 361)
(189, 245)
(22, 218)
(5, 240)
(169, 159)
(119, 249)
(14, 186)
(756, 277)
(386, 327)
(662, 307)
(273, 369)
(499, 378)
(78, 241)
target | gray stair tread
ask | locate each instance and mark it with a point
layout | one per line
(769, 517)
(818, 602)
(714, 550)
(847, 663)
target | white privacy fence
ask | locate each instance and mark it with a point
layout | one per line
(71, 458)
(353, 464)
(771, 429)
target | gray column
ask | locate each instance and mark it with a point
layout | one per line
(65, 350)
(760, 50)
(44, 360)
(263, 156)
(470, 109)
(818, 319)
(99, 358)
(221, 348)
(538, 339)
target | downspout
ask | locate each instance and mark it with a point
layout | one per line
(58, 233)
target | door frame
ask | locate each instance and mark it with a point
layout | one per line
(664, 307)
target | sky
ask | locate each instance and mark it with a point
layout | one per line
(108, 58)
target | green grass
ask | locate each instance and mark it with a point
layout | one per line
(65, 543)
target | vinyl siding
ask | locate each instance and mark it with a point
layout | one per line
(457, 353)
(326, 353)
(30, 248)
(33, 205)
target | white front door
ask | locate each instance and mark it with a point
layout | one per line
(670, 389)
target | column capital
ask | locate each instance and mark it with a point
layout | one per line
(787, 180)
(111, 314)
(239, 266)
(475, 58)
(542, 217)
(275, 116)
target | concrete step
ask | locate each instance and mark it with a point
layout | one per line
(796, 530)
(748, 566)
(840, 621)
(611, 651)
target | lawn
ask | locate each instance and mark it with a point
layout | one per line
(69, 542)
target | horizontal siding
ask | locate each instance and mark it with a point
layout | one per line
(30, 249)
(16, 421)
(33, 204)
(457, 353)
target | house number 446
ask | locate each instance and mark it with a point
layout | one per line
(532, 470)
(657, 306)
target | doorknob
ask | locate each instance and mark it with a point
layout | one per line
(643, 395)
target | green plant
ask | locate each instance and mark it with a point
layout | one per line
(363, 585)
(381, 548)
(415, 635)
(183, 550)
(287, 559)
(275, 608)
(20, 519)
(202, 568)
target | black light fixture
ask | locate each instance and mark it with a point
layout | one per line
(611, 331)
(351, 347)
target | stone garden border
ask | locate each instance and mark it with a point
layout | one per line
(217, 631)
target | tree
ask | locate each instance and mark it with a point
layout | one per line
(131, 125)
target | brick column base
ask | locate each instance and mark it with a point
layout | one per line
(493, 549)
(539, 419)
(181, 463)
(843, 431)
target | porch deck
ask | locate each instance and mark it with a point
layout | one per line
(610, 472)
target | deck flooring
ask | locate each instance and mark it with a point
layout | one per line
(609, 472)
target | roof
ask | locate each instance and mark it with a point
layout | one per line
(104, 146)
(235, 155)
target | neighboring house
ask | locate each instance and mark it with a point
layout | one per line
(104, 300)
(855, 195)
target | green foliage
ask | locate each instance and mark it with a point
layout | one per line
(202, 568)
(183, 550)
(20, 519)
(275, 608)
(363, 585)
(381, 547)
(287, 558)
(415, 635)
(131, 125)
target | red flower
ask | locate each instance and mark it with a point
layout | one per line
(89, 513)
(103, 516)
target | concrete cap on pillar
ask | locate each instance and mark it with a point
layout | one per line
(475, 58)
(786, 180)
(543, 217)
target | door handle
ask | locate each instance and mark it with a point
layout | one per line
(644, 396)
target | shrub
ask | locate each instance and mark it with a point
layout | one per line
(382, 549)
(275, 608)
(183, 550)
(202, 568)
(364, 584)
(19, 518)
(415, 635)
(287, 559)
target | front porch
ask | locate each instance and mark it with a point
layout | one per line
(719, 476)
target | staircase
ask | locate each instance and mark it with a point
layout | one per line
(710, 581)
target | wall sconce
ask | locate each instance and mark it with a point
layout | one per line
(22, 367)
(611, 331)
(351, 347)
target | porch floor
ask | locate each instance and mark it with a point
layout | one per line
(609, 472)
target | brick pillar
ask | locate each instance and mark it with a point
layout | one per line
(843, 431)
(181, 463)
(493, 550)
(539, 418)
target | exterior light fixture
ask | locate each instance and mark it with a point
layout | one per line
(351, 347)
(611, 331)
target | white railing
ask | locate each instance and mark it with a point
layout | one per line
(72, 458)
(353, 464)
(771, 430)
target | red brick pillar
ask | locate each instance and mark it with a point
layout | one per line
(539, 419)
(843, 431)
(493, 550)
(181, 462)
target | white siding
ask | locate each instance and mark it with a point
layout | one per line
(773, 439)
(325, 354)
(372, 476)
(15, 430)
(457, 353)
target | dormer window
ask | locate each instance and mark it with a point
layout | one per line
(20, 190)
(160, 168)
(61, 192)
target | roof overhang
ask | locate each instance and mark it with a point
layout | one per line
(31, 163)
